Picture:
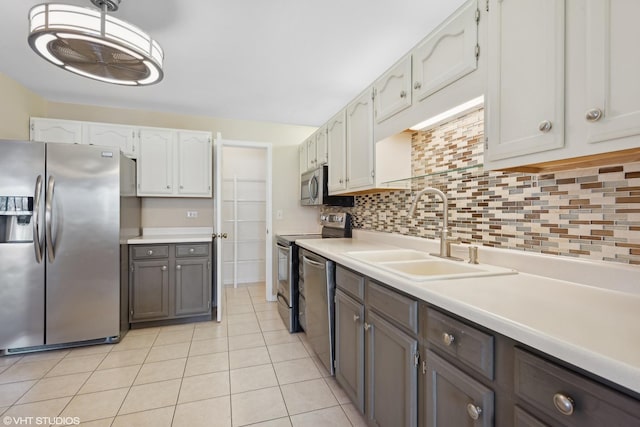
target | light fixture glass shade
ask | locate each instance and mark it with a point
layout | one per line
(93, 44)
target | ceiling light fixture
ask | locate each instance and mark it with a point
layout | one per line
(93, 44)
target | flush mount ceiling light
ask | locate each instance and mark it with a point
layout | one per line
(93, 44)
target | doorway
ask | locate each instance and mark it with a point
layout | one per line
(243, 214)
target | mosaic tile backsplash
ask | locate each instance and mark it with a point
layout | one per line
(589, 213)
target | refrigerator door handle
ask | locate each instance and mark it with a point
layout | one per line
(48, 218)
(37, 196)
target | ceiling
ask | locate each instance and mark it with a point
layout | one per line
(283, 61)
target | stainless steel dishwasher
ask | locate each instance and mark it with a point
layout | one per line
(320, 285)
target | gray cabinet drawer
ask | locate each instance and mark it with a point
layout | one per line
(350, 282)
(150, 252)
(465, 343)
(192, 250)
(541, 384)
(397, 307)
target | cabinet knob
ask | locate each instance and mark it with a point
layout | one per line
(178, 267)
(473, 411)
(563, 403)
(356, 317)
(340, 180)
(149, 252)
(417, 85)
(403, 94)
(366, 326)
(168, 187)
(182, 187)
(191, 250)
(448, 339)
(164, 268)
(593, 115)
(545, 126)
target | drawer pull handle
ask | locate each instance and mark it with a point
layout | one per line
(178, 267)
(366, 326)
(191, 250)
(356, 317)
(563, 403)
(149, 252)
(473, 411)
(448, 339)
(164, 268)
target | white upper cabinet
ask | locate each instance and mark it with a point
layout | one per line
(194, 164)
(392, 91)
(541, 116)
(322, 150)
(53, 130)
(444, 70)
(125, 138)
(360, 144)
(612, 107)
(155, 166)
(174, 163)
(304, 157)
(312, 157)
(526, 98)
(448, 53)
(337, 146)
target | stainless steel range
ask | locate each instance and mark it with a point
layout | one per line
(291, 300)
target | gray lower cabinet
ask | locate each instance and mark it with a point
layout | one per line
(376, 349)
(149, 291)
(469, 375)
(392, 374)
(453, 398)
(169, 281)
(349, 366)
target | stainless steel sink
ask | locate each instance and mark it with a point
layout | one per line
(420, 266)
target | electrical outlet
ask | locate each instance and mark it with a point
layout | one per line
(192, 214)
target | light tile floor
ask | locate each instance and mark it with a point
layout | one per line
(246, 370)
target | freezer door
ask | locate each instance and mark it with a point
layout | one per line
(82, 211)
(21, 274)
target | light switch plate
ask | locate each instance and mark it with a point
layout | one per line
(192, 214)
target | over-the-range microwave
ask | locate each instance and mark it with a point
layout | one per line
(314, 190)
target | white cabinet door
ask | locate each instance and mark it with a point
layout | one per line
(322, 153)
(122, 137)
(526, 96)
(194, 164)
(53, 130)
(312, 158)
(336, 142)
(392, 91)
(302, 151)
(613, 67)
(360, 146)
(155, 163)
(449, 53)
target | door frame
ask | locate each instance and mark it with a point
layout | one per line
(220, 143)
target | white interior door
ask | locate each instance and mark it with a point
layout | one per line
(218, 230)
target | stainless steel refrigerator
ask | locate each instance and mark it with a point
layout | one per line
(64, 211)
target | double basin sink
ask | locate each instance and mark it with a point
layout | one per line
(421, 266)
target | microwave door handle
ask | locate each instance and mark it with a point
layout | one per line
(311, 197)
(37, 197)
(48, 218)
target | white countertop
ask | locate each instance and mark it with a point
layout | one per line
(596, 328)
(173, 235)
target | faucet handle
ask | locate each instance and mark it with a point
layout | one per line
(473, 255)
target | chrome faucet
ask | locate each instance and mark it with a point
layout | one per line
(445, 242)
